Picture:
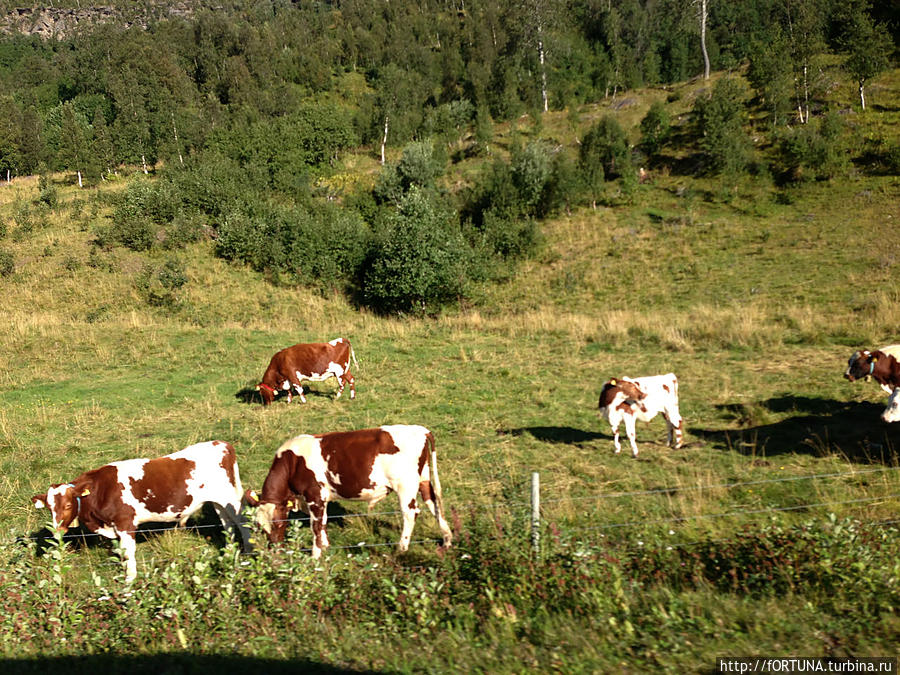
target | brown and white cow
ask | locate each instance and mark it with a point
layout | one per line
(362, 465)
(642, 398)
(314, 362)
(115, 499)
(882, 365)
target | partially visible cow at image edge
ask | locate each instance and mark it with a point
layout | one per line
(881, 365)
(309, 471)
(313, 362)
(641, 398)
(115, 499)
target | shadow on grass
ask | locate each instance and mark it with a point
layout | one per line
(205, 524)
(171, 664)
(817, 427)
(249, 395)
(569, 435)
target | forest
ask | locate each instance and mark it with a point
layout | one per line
(244, 111)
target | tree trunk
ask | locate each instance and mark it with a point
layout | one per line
(80, 184)
(862, 94)
(703, 15)
(384, 139)
(543, 69)
(144, 163)
(175, 131)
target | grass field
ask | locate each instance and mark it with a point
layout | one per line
(756, 299)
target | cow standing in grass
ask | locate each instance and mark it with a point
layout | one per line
(314, 362)
(642, 398)
(115, 499)
(362, 465)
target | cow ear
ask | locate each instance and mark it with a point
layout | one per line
(40, 501)
(85, 492)
(613, 382)
(290, 504)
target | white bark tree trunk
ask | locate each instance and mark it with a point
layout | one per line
(80, 184)
(704, 7)
(384, 139)
(540, 42)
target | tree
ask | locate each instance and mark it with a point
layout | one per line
(420, 259)
(868, 45)
(719, 118)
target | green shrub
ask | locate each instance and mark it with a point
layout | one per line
(159, 284)
(419, 260)
(656, 126)
(816, 149)
(7, 263)
(47, 192)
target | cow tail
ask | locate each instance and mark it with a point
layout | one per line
(353, 356)
(433, 470)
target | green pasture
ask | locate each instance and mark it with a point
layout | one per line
(755, 299)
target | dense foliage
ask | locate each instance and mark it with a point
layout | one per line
(249, 111)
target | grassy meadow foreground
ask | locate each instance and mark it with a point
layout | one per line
(774, 531)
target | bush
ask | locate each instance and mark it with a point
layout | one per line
(7, 263)
(419, 260)
(159, 285)
(816, 149)
(655, 128)
(47, 192)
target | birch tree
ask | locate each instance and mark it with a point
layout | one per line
(703, 16)
(868, 45)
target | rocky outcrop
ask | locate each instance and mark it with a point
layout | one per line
(61, 23)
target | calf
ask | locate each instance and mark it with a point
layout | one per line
(364, 465)
(641, 398)
(115, 499)
(881, 365)
(314, 362)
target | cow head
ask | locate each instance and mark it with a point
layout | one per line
(64, 502)
(266, 392)
(618, 391)
(892, 412)
(272, 518)
(860, 365)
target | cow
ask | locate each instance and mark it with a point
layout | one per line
(314, 362)
(309, 471)
(115, 499)
(892, 411)
(882, 365)
(641, 398)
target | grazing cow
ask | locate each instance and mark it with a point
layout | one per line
(892, 412)
(881, 365)
(364, 465)
(113, 500)
(314, 362)
(641, 398)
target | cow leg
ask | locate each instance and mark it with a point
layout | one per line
(299, 388)
(318, 517)
(615, 430)
(129, 549)
(410, 509)
(340, 383)
(676, 429)
(427, 493)
(352, 382)
(629, 431)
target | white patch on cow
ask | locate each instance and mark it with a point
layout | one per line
(336, 341)
(265, 516)
(892, 412)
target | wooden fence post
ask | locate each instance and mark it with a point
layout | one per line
(536, 513)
